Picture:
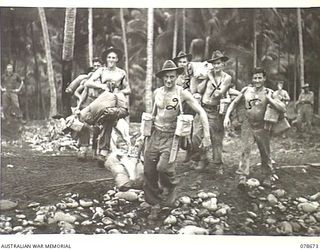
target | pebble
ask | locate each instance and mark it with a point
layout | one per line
(285, 228)
(85, 202)
(295, 226)
(302, 199)
(7, 205)
(272, 199)
(203, 195)
(252, 182)
(21, 216)
(252, 214)
(100, 231)
(185, 200)
(210, 204)
(315, 197)
(34, 204)
(193, 230)
(171, 219)
(279, 193)
(308, 207)
(271, 221)
(114, 231)
(129, 196)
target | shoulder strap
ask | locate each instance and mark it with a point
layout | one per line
(179, 100)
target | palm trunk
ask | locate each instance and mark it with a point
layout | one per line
(37, 77)
(295, 77)
(125, 46)
(175, 34)
(53, 94)
(301, 62)
(206, 48)
(148, 93)
(254, 39)
(237, 73)
(90, 36)
(25, 26)
(67, 57)
(184, 42)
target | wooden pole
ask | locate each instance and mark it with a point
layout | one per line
(175, 34)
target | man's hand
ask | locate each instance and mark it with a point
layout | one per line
(3, 89)
(269, 95)
(226, 122)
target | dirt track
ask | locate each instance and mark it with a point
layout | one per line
(33, 176)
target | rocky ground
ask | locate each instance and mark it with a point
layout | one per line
(49, 191)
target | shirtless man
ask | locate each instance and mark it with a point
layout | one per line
(256, 100)
(183, 60)
(213, 90)
(113, 79)
(157, 169)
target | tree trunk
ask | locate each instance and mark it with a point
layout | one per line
(184, 42)
(301, 62)
(254, 39)
(53, 94)
(206, 48)
(25, 26)
(67, 57)
(237, 73)
(36, 76)
(175, 34)
(295, 77)
(125, 46)
(148, 93)
(90, 36)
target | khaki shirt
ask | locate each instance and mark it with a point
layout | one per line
(306, 98)
(10, 81)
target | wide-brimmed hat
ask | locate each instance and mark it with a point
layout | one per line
(109, 50)
(216, 55)
(305, 85)
(169, 65)
(182, 54)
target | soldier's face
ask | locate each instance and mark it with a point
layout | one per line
(169, 79)
(217, 65)
(182, 62)
(96, 65)
(112, 59)
(258, 80)
(10, 69)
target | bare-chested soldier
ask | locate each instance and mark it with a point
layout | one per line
(113, 79)
(256, 100)
(213, 90)
(157, 169)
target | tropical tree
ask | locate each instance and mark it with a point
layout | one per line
(46, 38)
(67, 57)
(301, 60)
(148, 93)
(90, 36)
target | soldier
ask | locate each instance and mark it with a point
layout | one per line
(11, 86)
(113, 79)
(305, 108)
(159, 175)
(213, 90)
(256, 100)
(183, 60)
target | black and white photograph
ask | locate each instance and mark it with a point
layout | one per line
(160, 121)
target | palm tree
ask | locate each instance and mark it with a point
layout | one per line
(299, 20)
(184, 30)
(254, 38)
(175, 34)
(53, 94)
(148, 93)
(125, 46)
(67, 56)
(90, 36)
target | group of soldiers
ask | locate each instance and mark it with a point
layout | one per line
(210, 100)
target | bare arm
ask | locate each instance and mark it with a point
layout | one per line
(92, 83)
(232, 106)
